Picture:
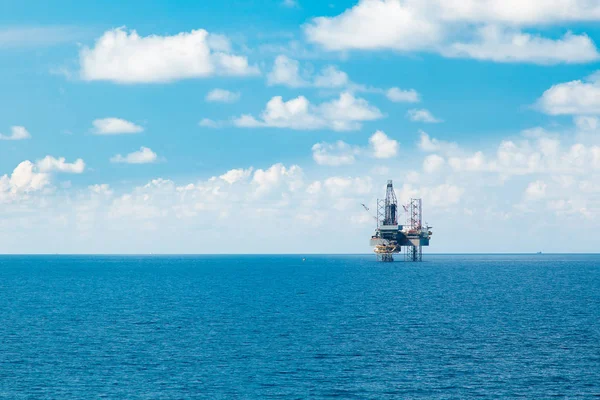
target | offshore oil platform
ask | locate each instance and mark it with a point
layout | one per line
(390, 237)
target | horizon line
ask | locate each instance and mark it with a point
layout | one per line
(283, 254)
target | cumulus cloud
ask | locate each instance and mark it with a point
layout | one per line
(475, 162)
(572, 98)
(29, 177)
(236, 175)
(374, 24)
(347, 186)
(143, 156)
(341, 153)
(342, 114)
(398, 95)
(101, 189)
(331, 77)
(126, 57)
(535, 152)
(288, 72)
(209, 123)
(334, 154)
(433, 163)
(431, 145)
(517, 12)
(222, 96)
(504, 45)
(16, 133)
(52, 164)
(115, 126)
(440, 196)
(538, 154)
(435, 26)
(422, 115)
(382, 146)
(536, 190)
(585, 123)
(277, 175)
(24, 178)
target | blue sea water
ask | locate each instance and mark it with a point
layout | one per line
(228, 327)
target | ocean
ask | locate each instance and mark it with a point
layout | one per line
(260, 327)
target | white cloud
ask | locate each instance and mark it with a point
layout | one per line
(296, 114)
(541, 154)
(572, 98)
(444, 195)
(508, 12)
(342, 114)
(428, 144)
(584, 123)
(374, 24)
(536, 190)
(115, 126)
(398, 95)
(382, 146)
(218, 42)
(16, 133)
(331, 77)
(341, 153)
(101, 189)
(347, 111)
(422, 115)
(432, 145)
(126, 57)
(222, 96)
(290, 3)
(286, 71)
(504, 45)
(236, 175)
(276, 175)
(30, 177)
(143, 156)
(24, 178)
(209, 123)
(491, 29)
(52, 164)
(512, 12)
(440, 196)
(347, 186)
(334, 154)
(476, 162)
(433, 163)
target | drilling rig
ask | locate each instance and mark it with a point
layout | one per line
(390, 237)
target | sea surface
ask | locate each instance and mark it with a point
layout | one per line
(260, 327)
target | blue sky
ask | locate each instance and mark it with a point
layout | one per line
(494, 124)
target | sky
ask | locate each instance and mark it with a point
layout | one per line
(262, 126)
